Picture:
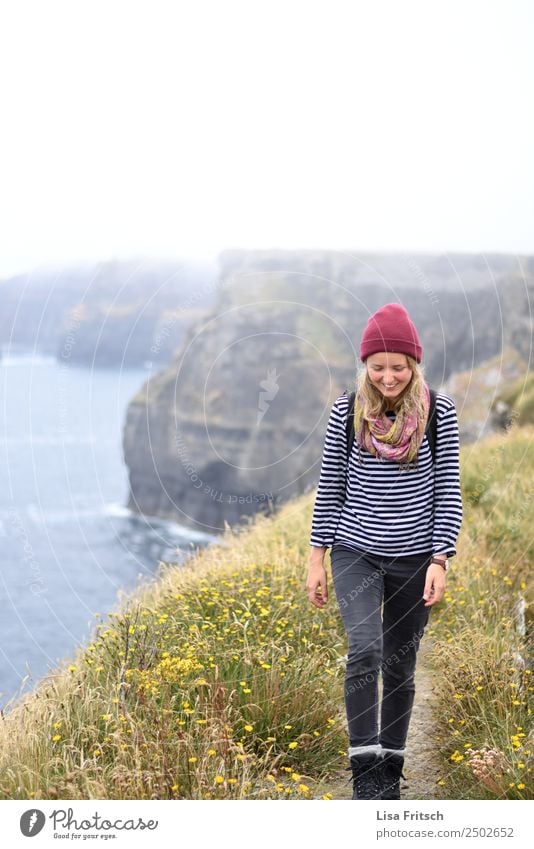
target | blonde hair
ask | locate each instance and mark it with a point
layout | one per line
(374, 404)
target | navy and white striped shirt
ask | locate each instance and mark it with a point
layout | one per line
(388, 510)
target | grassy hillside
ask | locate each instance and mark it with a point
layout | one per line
(515, 403)
(221, 681)
(483, 632)
(216, 682)
(477, 392)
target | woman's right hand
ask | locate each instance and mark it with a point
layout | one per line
(316, 585)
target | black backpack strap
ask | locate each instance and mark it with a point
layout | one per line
(432, 424)
(349, 425)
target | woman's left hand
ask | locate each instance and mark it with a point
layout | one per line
(434, 584)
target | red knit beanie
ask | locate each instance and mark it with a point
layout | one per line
(391, 329)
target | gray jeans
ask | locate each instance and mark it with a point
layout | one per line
(380, 641)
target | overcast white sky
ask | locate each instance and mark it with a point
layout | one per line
(152, 128)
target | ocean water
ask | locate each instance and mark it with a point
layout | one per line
(69, 548)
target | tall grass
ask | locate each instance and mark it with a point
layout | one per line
(220, 680)
(483, 633)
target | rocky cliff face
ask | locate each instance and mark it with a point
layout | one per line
(478, 390)
(236, 424)
(114, 314)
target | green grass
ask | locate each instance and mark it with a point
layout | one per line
(483, 631)
(220, 680)
(519, 397)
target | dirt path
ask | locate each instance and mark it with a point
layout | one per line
(421, 767)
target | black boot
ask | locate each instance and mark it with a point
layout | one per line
(391, 772)
(365, 776)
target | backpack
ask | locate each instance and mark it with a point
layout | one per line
(430, 431)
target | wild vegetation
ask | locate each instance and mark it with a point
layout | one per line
(220, 680)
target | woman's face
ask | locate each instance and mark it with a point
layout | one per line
(390, 373)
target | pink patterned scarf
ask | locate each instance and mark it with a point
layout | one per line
(397, 440)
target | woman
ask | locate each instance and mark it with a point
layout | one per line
(391, 514)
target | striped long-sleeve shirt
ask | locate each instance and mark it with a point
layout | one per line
(385, 509)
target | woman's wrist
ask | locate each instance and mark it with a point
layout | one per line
(317, 555)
